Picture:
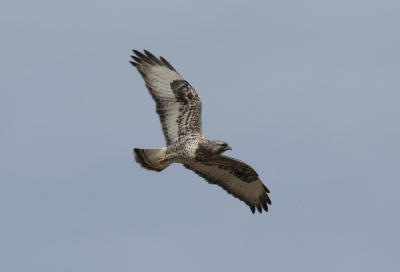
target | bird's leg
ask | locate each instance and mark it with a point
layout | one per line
(168, 155)
(164, 159)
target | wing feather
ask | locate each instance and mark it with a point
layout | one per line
(235, 177)
(177, 103)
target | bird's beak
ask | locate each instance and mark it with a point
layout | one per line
(228, 147)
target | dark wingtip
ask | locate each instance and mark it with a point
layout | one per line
(268, 200)
(133, 63)
(265, 206)
(259, 208)
(143, 57)
(138, 53)
(138, 60)
(266, 189)
(166, 63)
(152, 57)
(253, 209)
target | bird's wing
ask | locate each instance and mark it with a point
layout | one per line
(177, 103)
(235, 177)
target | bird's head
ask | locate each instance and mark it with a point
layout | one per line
(221, 146)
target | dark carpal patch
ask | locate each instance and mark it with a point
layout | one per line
(206, 153)
(183, 92)
(190, 107)
(244, 173)
(263, 200)
(188, 110)
(236, 168)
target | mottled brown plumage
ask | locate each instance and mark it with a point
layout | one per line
(179, 110)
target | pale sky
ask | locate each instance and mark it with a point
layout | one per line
(307, 92)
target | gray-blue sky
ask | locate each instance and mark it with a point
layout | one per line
(307, 92)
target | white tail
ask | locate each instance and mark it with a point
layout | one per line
(151, 159)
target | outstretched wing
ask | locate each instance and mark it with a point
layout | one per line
(177, 103)
(235, 177)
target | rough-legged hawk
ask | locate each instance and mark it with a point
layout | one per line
(179, 109)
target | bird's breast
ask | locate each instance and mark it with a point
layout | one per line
(191, 147)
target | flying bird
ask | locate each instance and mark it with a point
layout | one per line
(179, 110)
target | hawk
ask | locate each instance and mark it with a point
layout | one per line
(179, 109)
